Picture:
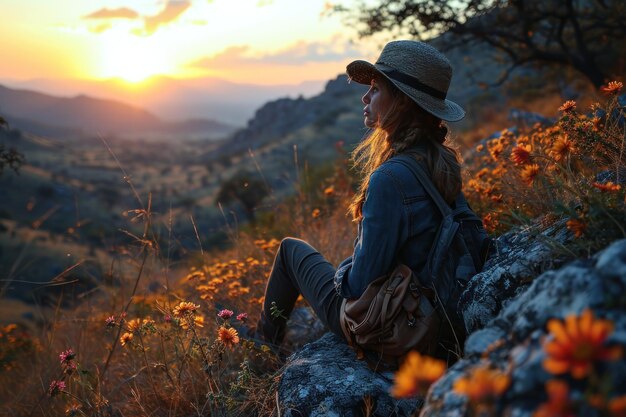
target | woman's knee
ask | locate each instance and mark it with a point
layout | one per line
(290, 242)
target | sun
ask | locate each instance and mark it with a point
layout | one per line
(133, 58)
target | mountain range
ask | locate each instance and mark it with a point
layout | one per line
(50, 115)
(177, 99)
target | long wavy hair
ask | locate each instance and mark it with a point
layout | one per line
(403, 126)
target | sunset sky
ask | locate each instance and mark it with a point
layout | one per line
(252, 41)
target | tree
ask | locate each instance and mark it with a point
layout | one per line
(587, 35)
(249, 191)
(9, 157)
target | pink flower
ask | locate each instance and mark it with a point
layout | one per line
(242, 316)
(110, 321)
(67, 357)
(56, 387)
(167, 318)
(225, 314)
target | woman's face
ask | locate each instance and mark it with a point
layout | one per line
(376, 100)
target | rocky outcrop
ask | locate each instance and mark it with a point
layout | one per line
(279, 118)
(520, 257)
(507, 307)
(325, 378)
(513, 340)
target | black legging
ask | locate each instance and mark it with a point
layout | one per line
(300, 269)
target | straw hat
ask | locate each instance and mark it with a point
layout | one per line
(418, 70)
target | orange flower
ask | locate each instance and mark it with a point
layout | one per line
(228, 336)
(612, 87)
(597, 123)
(482, 384)
(491, 223)
(475, 185)
(607, 187)
(577, 343)
(416, 375)
(135, 325)
(521, 154)
(561, 148)
(198, 321)
(495, 148)
(568, 106)
(329, 191)
(126, 339)
(185, 308)
(558, 404)
(482, 172)
(498, 172)
(529, 173)
(496, 198)
(577, 226)
(316, 213)
(480, 148)
(617, 406)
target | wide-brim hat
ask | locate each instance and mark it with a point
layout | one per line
(418, 70)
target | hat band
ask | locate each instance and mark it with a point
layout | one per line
(412, 82)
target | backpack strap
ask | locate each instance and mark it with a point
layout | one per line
(422, 176)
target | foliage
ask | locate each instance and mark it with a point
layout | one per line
(244, 188)
(573, 169)
(584, 35)
(9, 157)
(15, 343)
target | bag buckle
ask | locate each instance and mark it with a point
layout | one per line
(412, 321)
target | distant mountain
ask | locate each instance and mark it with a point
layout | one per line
(171, 98)
(32, 110)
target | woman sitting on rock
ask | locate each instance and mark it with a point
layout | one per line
(405, 107)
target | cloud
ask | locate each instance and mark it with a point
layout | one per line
(173, 9)
(101, 27)
(300, 53)
(120, 13)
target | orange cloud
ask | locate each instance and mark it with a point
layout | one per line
(101, 28)
(173, 9)
(120, 13)
(333, 50)
(300, 61)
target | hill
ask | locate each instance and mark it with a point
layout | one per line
(30, 110)
(173, 98)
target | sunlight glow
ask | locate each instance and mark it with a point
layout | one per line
(132, 58)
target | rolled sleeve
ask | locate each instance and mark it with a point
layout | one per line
(383, 230)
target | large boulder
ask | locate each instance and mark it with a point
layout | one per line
(513, 340)
(520, 257)
(325, 378)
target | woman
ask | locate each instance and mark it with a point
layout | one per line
(405, 107)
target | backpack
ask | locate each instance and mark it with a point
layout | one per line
(418, 310)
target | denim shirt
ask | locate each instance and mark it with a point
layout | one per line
(399, 222)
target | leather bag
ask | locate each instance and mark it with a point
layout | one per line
(394, 314)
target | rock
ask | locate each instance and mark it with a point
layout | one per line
(325, 378)
(303, 327)
(521, 256)
(513, 340)
(526, 118)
